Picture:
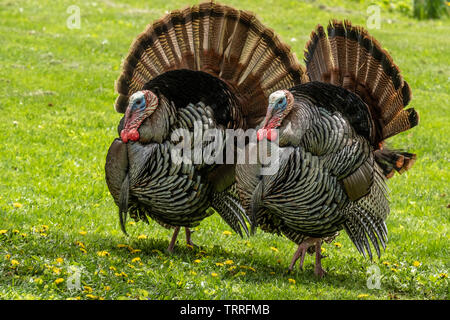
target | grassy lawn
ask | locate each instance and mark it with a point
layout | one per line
(57, 122)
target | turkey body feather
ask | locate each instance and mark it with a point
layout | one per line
(331, 155)
(208, 64)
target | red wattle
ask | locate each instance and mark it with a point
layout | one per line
(272, 134)
(261, 134)
(124, 136)
(133, 135)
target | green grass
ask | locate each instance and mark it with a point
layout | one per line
(57, 121)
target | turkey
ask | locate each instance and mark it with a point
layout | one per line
(332, 162)
(209, 66)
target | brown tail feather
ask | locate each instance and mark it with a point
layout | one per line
(391, 161)
(349, 57)
(227, 43)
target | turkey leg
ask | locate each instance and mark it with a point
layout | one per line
(188, 237)
(175, 235)
(174, 239)
(318, 271)
(301, 253)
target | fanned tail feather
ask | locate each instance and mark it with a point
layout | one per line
(349, 57)
(229, 44)
(392, 161)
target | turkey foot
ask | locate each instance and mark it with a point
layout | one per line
(189, 242)
(174, 239)
(318, 271)
(301, 253)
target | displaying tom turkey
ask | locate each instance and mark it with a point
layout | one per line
(332, 160)
(208, 64)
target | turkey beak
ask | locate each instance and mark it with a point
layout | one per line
(262, 132)
(132, 123)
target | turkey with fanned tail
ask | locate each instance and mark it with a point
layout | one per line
(208, 65)
(332, 162)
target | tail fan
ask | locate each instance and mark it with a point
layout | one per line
(232, 45)
(349, 57)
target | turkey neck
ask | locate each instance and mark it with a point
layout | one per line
(302, 118)
(157, 127)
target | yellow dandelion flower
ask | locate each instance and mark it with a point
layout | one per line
(323, 250)
(107, 288)
(386, 263)
(102, 253)
(80, 244)
(363, 295)
(83, 233)
(43, 234)
(15, 231)
(193, 273)
(241, 273)
(231, 268)
(59, 260)
(40, 281)
(228, 262)
(131, 223)
(23, 235)
(7, 256)
(56, 270)
(251, 268)
(142, 237)
(112, 268)
(338, 244)
(131, 266)
(122, 246)
(227, 233)
(88, 289)
(44, 227)
(443, 275)
(274, 249)
(3, 231)
(130, 281)
(137, 259)
(83, 250)
(394, 270)
(214, 274)
(59, 280)
(14, 262)
(122, 274)
(91, 296)
(197, 261)
(219, 264)
(416, 263)
(291, 280)
(136, 250)
(17, 205)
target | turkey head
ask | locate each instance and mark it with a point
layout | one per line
(280, 104)
(141, 106)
